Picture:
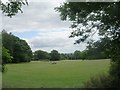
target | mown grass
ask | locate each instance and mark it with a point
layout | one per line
(67, 74)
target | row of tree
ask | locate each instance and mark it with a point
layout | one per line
(94, 50)
(16, 50)
(43, 55)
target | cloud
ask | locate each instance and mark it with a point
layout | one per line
(36, 16)
(41, 27)
(55, 40)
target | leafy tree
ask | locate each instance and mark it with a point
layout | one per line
(18, 48)
(6, 58)
(84, 54)
(66, 56)
(54, 55)
(12, 7)
(70, 56)
(6, 55)
(96, 50)
(63, 57)
(91, 17)
(41, 55)
(76, 55)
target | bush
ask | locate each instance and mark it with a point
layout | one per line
(115, 74)
(3, 68)
(100, 81)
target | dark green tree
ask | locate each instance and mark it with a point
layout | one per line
(70, 56)
(12, 7)
(76, 55)
(66, 56)
(18, 48)
(54, 55)
(41, 55)
(6, 58)
(84, 54)
(97, 50)
(63, 57)
(103, 18)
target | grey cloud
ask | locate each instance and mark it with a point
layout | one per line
(41, 17)
(43, 43)
(55, 40)
(37, 15)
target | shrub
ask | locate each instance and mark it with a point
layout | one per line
(100, 81)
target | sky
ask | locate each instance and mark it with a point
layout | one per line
(42, 28)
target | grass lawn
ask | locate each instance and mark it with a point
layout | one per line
(67, 74)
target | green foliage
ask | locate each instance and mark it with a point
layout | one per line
(95, 52)
(77, 55)
(41, 55)
(63, 56)
(92, 52)
(6, 55)
(54, 55)
(113, 50)
(115, 71)
(6, 58)
(98, 49)
(18, 48)
(69, 56)
(100, 81)
(91, 17)
(12, 7)
(83, 54)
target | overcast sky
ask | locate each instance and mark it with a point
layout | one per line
(42, 28)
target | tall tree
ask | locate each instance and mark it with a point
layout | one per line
(10, 9)
(54, 55)
(102, 17)
(18, 48)
(76, 55)
(91, 17)
(41, 55)
(84, 54)
(5, 56)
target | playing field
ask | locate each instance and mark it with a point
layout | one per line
(39, 74)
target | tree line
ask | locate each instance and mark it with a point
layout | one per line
(93, 51)
(16, 50)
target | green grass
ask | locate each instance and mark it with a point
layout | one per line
(65, 73)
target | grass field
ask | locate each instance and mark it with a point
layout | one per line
(65, 73)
